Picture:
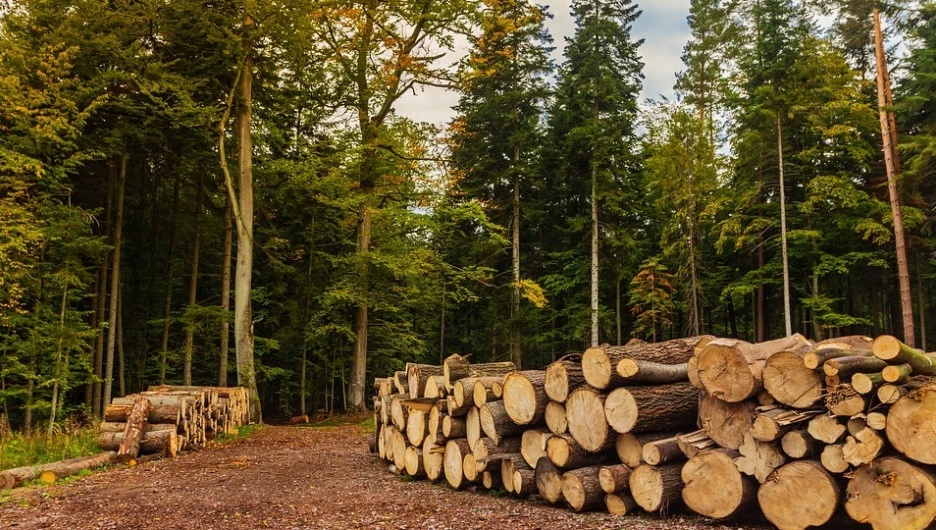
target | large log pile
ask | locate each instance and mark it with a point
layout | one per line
(800, 432)
(167, 419)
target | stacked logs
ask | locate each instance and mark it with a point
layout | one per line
(797, 431)
(167, 419)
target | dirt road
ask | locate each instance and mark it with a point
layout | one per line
(289, 478)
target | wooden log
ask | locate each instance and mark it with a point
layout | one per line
(889, 394)
(844, 401)
(724, 422)
(876, 421)
(453, 459)
(833, 458)
(555, 416)
(826, 429)
(566, 453)
(562, 377)
(692, 373)
(533, 446)
(401, 383)
(891, 494)
(48, 473)
(112, 426)
(473, 430)
(418, 376)
(434, 427)
(799, 495)
(651, 408)
(416, 427)
(799, 444)
(897, 374)
(771, 424)
(398, 411)
(791, 382)
(657, 488)
(158, 413)
(866, 383)
(509, 464)
(524, 482)
(599, 364)
(133, 431)
(585, 412)
(490, 480)
(486, 449)
(582, 489)
(463, 392)
(614, 478)
(620, 504)
(649, 372)
(715, 487)
(470, 468)
(814, 360)
(694, 443)
(732, 370)
(453, 427)
(162, 442)
(483, 389)
(524, 396)
(398, 449)
(852, 364)
(629, 446)
(911, 424)
(496, 423)
(498, 390)
(759, 459)
(548, 481)
(863, 447)
(454, 367)
(890, 349)
(454, 410)
(663, 451)
(435, 388)
(433, 455)
(413, 462)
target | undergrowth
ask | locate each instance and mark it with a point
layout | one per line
(17, 450)
(243, 431)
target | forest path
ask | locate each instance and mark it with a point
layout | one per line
(289, 478)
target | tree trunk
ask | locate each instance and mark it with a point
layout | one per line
(170, 269)
(121, 359)
(58, 358)
(226, 295)
(594, 249)
(903, 272)
(115, 281)
(516, 355)
(787, 315)
(48, 473)
(193, 287)
(98, 405)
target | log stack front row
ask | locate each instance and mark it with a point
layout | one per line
(801, 433)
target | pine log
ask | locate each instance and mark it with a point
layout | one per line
(663, 451)
(599, 364)
(49, 473)
(844, 401)
(833, 458)
(418, 375)
(486, 450)
(897, 374)
(533, 446)
(581, 488)
(455, 451)
(555, 416)
(892, 494)
(911, 424)
(799, 495)
(694, 443)
(863, 447)
(416, 427)
(620, 504)
(562, 377)
(651, 408)
(657, 488)
(134, 430)
(473, 430)
(724, 422)
(413, 462)
(799, 444)
(629, 446)
(791, 382)
(496, 423)
(453, 427)
(771, 424)
(524, 396)
(614, 478)
(732, 370)
(893, 351)
(585, 412)
(714, 487)
(566, 453)
(548, 481)
(853, 364)
(826, 429)
(649, 372)
(483, 389)
(759, 459)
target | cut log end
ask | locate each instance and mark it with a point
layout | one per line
(799, 495)
(891, 494)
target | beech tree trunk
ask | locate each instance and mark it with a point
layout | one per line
(226, 298)
(193, 287)
(787, 312)
(115, 281)
(170, 270)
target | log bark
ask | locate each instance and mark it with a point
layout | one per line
(629, 447)
(418, 376)
(548, 481)
(562, 377)
(490, 480)
(566, 453)
(652, 408)
(657, 488)
(910, 424)
(524, 482)
(843, 366)
(620, 504)
(496, 423)
(12, 478)
(864, 384)
(715, 487)
(891, 494)
(585, 412)
(455, 451)
(486, 451)
(454, 427)
(897, 374)
(582, 489)
(556, 420)
(724, 422)
(133, 432)
(893, 351)
(732, 370)
(524, 396)
(599, 364)
(454, 367)
(614, 479)
(663, 451)
(759, 459)
(162, 442)
(799, 495)
(649, 372)
(463, 392)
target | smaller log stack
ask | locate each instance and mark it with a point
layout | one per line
(795, 430)
(164, 420)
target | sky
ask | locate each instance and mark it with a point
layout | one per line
(662, 25)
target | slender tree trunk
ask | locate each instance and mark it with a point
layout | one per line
(761, 299)
(817, 326)
(89, 386)
(121, 359)
(97, 409)
(694, 311)
(58, 358)
(170, 270)
(921, 302)
(193, 288)
(442, 327)
(515, 353)
(594, 243)
(115, 281)
(225, 295)
(903, 272)
(305, 320)
(617, 310)
(788, 323)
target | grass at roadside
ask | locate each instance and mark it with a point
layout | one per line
(365, 421)
(243, 431)
(17, 450)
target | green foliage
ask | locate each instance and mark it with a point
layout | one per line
(17, 450)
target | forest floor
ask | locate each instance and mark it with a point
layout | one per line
(290, 478)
